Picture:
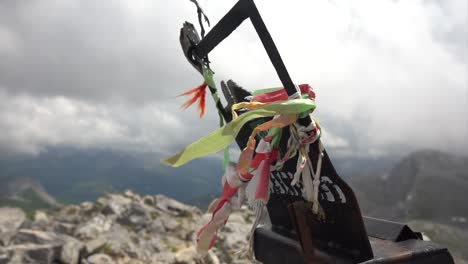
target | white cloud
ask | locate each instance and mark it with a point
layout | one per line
(29, 124)
(380, 65)
(387, 73)
(333, 141)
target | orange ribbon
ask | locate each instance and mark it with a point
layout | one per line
(199, 94)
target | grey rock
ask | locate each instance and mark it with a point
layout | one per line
(5, 238)
(170, 223)
(131, 195)
(69, 214)
(211, 258)
(70, 253)
(93, 246)
(174, 207)
(157, 227)
(91, 229)
(117, 205)
(5, 257)
(25, 236)
(120, 241)
(16, 258)
(87, 206)
(149, 200)
(102, 201)
(64, 228)
(163, 258)
(10, 220)
(41, 220)
(100, 259)
(34, 253)
(38, 245)
(233, 238)
(151, 244)
(136, 216)
(186, 256)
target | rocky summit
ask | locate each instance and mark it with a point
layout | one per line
(119, 228)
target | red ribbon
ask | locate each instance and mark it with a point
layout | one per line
(282, 95)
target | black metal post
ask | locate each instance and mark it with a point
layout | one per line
(241, 11)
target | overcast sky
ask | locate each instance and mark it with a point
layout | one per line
(388, 75)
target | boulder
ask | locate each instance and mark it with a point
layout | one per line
(157, 226)
(41, 221)
(186, 256)
(235, 234)
(116, 205)
(211, 258)
(149, 200)
(87, 206)
(35, 245)
(69, 214)
(100, 259)
(170, 223)
(137, 216)
(10, 220)
(132, 195)
(4, 256)
(64, 228)
(163, 258)
(174, 207)
(33, 253)
(29, 236)
(92, 228)
(92, 246)
(70, 252)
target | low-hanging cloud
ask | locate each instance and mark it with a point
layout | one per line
(388, 74)
(31, 124)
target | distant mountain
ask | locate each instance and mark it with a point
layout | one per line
(75, 175)
(426, 189)
(12, 189)
(361, 166)
(427, 185)
(25, 193)
(454, 238)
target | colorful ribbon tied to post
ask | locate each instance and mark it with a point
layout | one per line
(250, 177)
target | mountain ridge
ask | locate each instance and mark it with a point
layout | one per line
(12, 188)
(77, 175)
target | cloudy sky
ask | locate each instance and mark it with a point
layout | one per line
(389, 75)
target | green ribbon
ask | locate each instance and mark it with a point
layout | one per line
(208, 76)
(224, 136)
(265, 90)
